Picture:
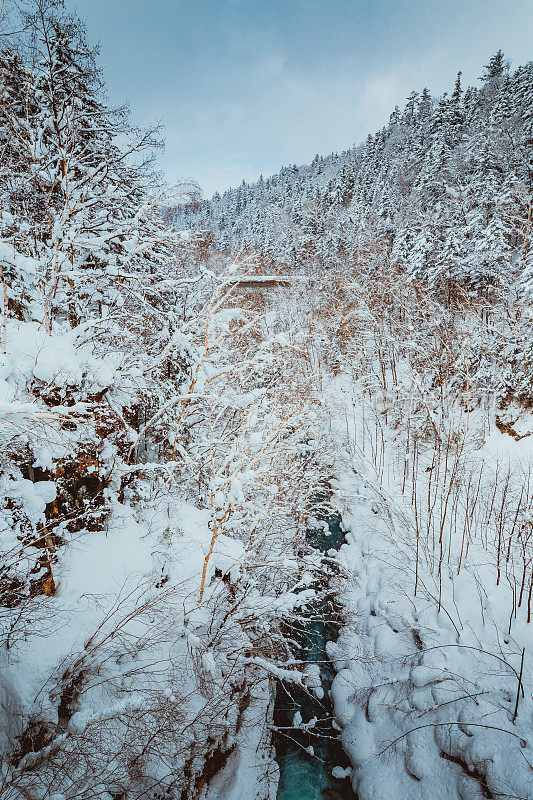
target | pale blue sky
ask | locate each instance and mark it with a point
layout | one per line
(245, 86)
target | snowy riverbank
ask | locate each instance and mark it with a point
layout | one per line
(426, 690)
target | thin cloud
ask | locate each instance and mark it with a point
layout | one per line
(246, 86)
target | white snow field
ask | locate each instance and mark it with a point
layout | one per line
(427, 684)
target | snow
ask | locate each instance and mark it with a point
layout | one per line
(414, 682)
(162, 436)
(250, 770)
(340, 772)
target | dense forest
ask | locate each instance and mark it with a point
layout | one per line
(445, 186)
(230, 427)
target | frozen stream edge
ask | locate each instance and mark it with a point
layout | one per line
(307, 757)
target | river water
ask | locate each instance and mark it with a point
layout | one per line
(305, 774)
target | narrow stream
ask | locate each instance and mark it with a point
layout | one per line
(307, 774)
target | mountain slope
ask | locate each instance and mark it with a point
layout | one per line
(445, 187)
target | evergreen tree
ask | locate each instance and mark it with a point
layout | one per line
(495, 70)
(455, 114)
(424, 107)
(411, 107)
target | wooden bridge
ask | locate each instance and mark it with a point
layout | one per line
(268, 281)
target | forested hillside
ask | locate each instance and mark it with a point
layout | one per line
(445, 187)
(263, 540)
